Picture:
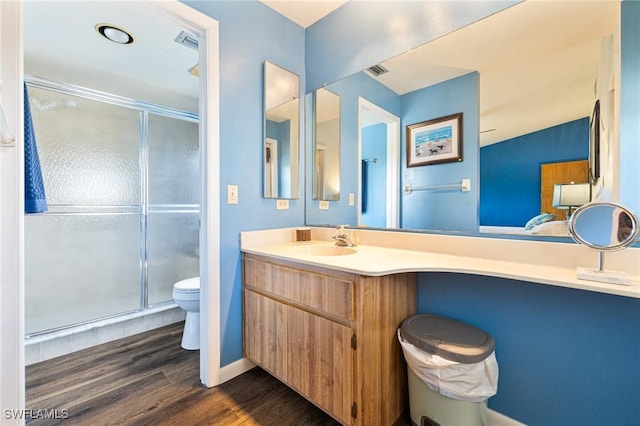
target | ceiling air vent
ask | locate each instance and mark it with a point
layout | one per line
(187, 40)
(377, 70)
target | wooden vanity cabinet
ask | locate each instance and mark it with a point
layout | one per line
(330, 335)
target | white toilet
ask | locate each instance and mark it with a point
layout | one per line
(186, 294)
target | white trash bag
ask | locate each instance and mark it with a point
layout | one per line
(465, 382)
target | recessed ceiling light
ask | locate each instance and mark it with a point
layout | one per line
(114, 34)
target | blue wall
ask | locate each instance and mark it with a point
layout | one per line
(250, 33)
(374, 146)
(423, 209)
(510, 170)
(420, 209)
(566, 357)
(349, 89)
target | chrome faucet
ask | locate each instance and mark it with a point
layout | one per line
(341, 238)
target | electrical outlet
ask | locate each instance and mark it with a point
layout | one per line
(352, 199)
(282, 204)
(232, 194)
(323, 205)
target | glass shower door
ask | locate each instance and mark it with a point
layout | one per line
(123, 186)
(173, 219)
(83, 256)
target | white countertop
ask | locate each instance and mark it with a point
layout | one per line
(491, 258)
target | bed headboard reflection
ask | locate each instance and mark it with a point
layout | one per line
(562, 172)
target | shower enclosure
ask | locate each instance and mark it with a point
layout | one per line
(122, 180)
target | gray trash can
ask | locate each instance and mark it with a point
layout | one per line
(452, 370)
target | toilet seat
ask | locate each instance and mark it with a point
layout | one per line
(187, 290)
(188, 285)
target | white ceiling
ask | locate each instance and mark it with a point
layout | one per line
(61, 44)
(154, 68)
(304, 12)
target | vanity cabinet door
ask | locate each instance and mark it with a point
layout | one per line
(320, 362)
(311, 354)
(265, 333)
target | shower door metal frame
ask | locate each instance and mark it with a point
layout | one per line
(143, 210)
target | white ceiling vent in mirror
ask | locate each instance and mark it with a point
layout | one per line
(376, 70)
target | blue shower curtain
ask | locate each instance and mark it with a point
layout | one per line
(34, 196)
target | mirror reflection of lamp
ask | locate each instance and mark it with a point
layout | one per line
(567, 196)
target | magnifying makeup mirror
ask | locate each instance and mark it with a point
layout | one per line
(604, 227)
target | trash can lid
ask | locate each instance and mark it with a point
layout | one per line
(447, 338)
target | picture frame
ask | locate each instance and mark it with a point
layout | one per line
(435, 141)
(594, 144)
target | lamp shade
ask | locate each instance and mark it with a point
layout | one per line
(567, 195)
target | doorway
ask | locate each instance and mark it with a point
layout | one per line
(378, 166)
(271, 168)
(12, 360)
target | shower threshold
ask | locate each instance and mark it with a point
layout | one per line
(53, 343)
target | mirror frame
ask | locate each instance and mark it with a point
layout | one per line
(581, 239)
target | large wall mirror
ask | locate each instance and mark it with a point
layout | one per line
(326, 145)
(281, 132)
(526, 80)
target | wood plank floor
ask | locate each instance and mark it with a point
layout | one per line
(148, 379)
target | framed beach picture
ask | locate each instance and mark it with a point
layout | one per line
(435, 141)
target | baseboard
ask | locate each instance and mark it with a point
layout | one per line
(235, 369)
(496, 419)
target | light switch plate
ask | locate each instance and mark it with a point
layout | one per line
(232, 194)
(466, 185)
(352, 199)
(282, 204)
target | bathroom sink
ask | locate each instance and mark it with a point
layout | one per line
(327, 250)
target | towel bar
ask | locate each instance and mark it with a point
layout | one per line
(464, 186)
